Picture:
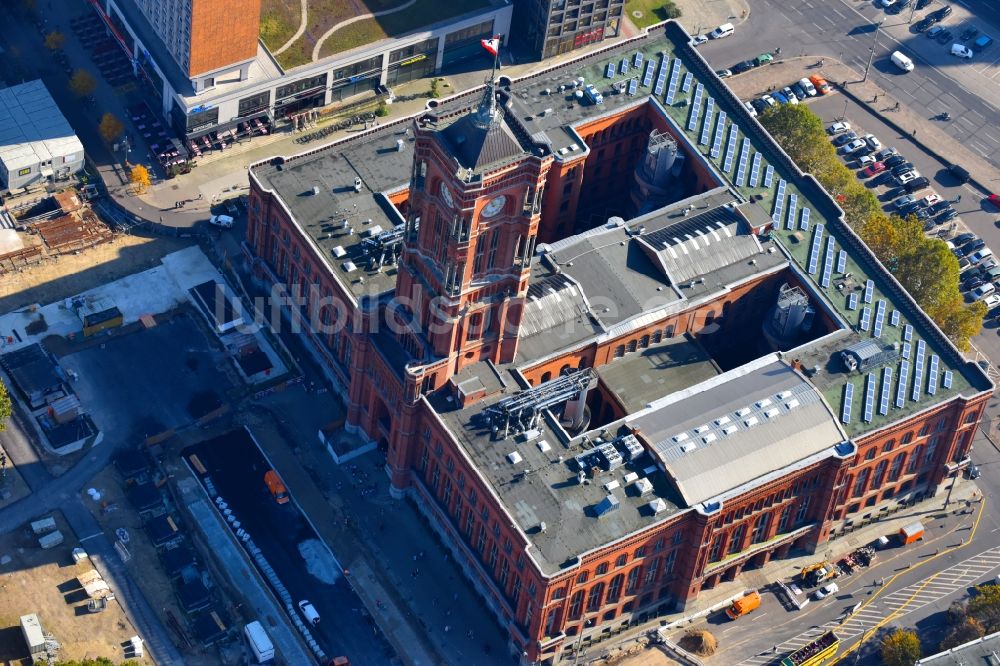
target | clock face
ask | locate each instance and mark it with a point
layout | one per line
(494, 206)
(446, 195)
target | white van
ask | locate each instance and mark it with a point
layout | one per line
(724, 30)
(808, 86)
(901, 61)
(309, 612)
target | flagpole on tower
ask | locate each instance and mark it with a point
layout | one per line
(492, 46)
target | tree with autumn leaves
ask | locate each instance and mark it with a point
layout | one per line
(139, 175)
(924, 266)
(900, 648)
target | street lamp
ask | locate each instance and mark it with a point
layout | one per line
(126, 149)
(871, 56)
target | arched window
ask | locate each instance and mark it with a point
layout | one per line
(615, 588)
(657, 336)
(631, 346)
(644, 341)
(669, 331)
(619, 351)
(546, 376)
(596, 597)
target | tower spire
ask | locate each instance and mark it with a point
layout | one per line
(488, 114)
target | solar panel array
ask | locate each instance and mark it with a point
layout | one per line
(814, 249)
(869, 290)
(755, 170)
(793, 205)
(768, 176)
(879, 319)
(674, 77)
(831, 245)
(727, 164)
(741, 170)
(624, 66)
(869, 397)
(904, 374)
(804, 222)
(948, 377)
(661, 77)
(706, 128)
(932, 374)
(866, 318)
(918, 370)
(779, 203)
(894, 318)
(688, 79)
(852, 302)
(647, 77)
(842, 261)
(637, 60)
(845, 413)
(696, 107)
(907, 332)
(883, 401)
(610, 72)
(720, 133)
(633, 85)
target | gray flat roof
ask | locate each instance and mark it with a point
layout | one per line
(649, 374)
(32, 128)
(980, 651)
(737, 427)
(542, 489)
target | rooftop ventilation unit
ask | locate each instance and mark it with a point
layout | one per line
(751, 422)
(709, 438)
(680, 438)
(657, 506)
(689, 447)
(742, 412)
(520, 412)
(633, 449)
(771, 413)
(315, 190)
(543, 446)
(729, 430)
(514, 457)
(630, 477)
(722, 421)
(792, 404)
(607, 505)
(357, 184)
(644, 486)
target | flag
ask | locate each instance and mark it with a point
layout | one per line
(491, 45)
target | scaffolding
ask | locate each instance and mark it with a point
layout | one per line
(384, 248)
(519, 413)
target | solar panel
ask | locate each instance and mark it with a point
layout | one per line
(842, 262)
(755, 170)
(907, 332)
(804, 222)
(869, 397)
(624, 66)
(793, 205)
(696, 107)
(845, 413)
(637, 60)
(907, 348)
(609, 73)
(768, 176)
(741, 170)
(904, 371)
(688, 79)
(727, 164)
(720, 133)
(894, 318)
(948, 379)
(918, 370)
(869, 290)
(674, 77)
(706, 128)
(883, 402)
(852, 302)
(879, 318)
(779, 203)
(647, 78)
(932, 375)
(866, 318)
(817, 242)
(632, 86)
(828, 262)
(661, 77)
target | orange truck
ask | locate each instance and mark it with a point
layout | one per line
(744, 605)
(910, 533)
(276, 486)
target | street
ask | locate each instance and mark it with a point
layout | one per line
(845, 30)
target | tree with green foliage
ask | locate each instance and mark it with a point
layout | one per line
(900, 648)
(382, 109)
(985, 607)
(795, 127)
(6, 407)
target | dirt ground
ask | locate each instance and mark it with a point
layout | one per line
(12, 486)
(68, 275)
(113, 511)
(44, 582)
(651, 656)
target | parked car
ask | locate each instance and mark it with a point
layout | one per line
(943, 13)
(231, 207)
(923, 3)
(698, 40)
(894, 161)
(838, 128)
(972, 282)
(968, 237)
(991, 301)
(944, 37)
(968, 34)
(808, 87)
(852, 147)
(309, 612)
(982, 291)
(846, 137)
(886, 4)
(750, 109)
(923, 24)
(865, 161)
(799, 91)
(780, 97)
(769, 100)
(946, 215)
(930, 200)
(724, 30)
(885, 153)
(902, 168)
(994, 199)
(724, 73)
(826, 590)
(959, 172)
(790, 94)
(901, 5)
(934, 32)
(764, 59)
(758, 105)
(904, 201)
(224, 221)
(917, 184)
(744, 66)
(874, 168)
(821, 84)
(980, 255)
(961, 51)
(973, 245)
(906, 176)
(982, 42)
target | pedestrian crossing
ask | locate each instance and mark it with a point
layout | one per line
(958, 577)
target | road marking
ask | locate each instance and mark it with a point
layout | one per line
(97, 534)
(818, 28)
(838, 13)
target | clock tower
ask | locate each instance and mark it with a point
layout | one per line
(475, 197)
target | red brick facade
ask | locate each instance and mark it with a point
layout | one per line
(659, 569)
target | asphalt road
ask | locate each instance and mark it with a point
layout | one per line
(237, 469)
(843, 29)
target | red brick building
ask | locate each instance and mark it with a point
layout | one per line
(604, 417)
